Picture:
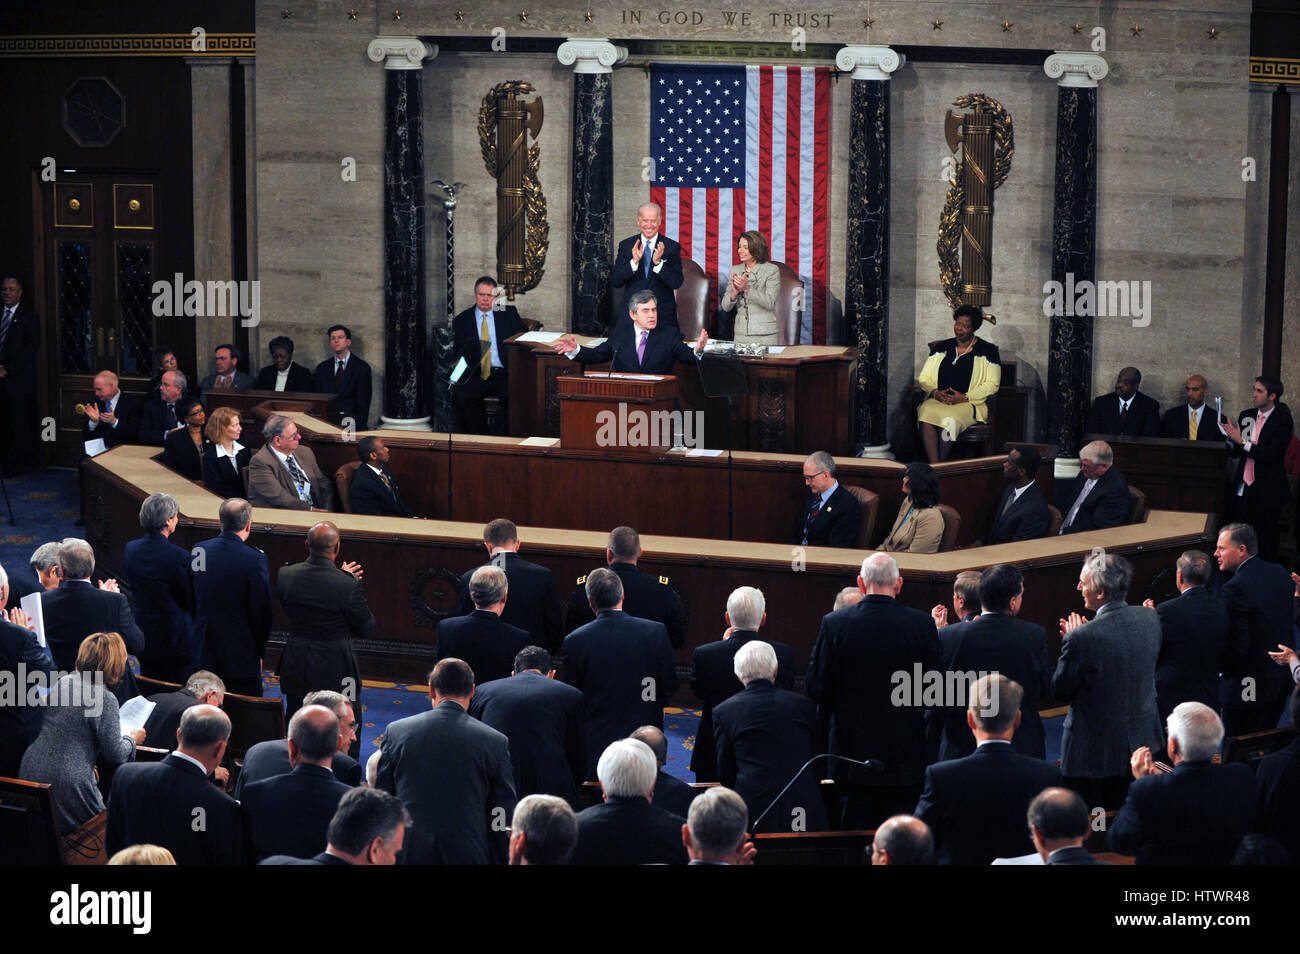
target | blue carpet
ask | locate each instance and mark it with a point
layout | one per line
(45, 506)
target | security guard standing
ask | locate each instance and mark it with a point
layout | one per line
(644, 596)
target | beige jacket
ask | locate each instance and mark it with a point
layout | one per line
(756, 309)
(921, 534)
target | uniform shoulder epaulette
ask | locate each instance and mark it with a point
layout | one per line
(582, 579)
(663, 580)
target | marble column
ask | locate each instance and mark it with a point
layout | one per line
(592, 238)
(405, 371)
(1074, 249)
(213, 238)
(866, 286)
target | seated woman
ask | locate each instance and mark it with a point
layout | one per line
(225, 458)
(81, 725)
(919, 526)
(183, 449)
(751, 293)
(960, 375)
(164, 360)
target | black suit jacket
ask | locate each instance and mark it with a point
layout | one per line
(290, 814)
(182, 455)
(644, 596)
(1072, 856)
(221, 476)
(1277, 789)
(1193, 633)
(1260, 616)
(300, 379)
(542, 718)
(764, 735)
(75, 609)
(713, 680)
(22, 582)
(158, 572)
(484, 641)
(160, 728)
(19, 723)
(858, 650)
(1196, 814)
(1174, 424)
(353, 389)
(995, 642)
(663, 346)
(628, 831)
(625, 282)
(154, 804)
(1268, 451)
(532, 602)
(232, 607)
(454, 774)
(367, 494)
(1027, 519)
(836, 525)
(506, 323)
(22, 346)
(975, 806)
(1107, 506)
(1142, 420)
(128, 423)
(270, 758)
(155, 421)
(624, 667)
(672, 795)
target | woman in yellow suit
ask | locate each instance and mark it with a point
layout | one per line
(960, 375)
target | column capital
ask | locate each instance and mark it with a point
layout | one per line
(1072, 68)
(591, 54)
(869, 62)
(400, 52)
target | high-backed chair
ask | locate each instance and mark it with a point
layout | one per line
(252, 720)
(787, 315)
(979, 436)
(870, 504)
(151, 687)
(343, 481)
(1138, 505)
(1054, 527)
(951, 527)
(692, 300)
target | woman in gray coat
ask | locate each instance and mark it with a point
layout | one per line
(80, 725)
(752, 291)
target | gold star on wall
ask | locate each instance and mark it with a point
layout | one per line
(1137, 30)
(1006, 26)
(352, 14)
(587, 16)
(460, 15)
(286, 14)
(1077, 29)
(868, 22)
(397, 14)
(523, 16)
(1212, 33)
(937, 23)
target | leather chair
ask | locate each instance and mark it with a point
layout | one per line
(343, 482)
(1138, 506)
(787, 315)
(951, 527)
(1054, 527)
(870, 504)
(693, 300)
(252, 720)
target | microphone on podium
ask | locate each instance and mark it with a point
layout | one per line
(612, 359)
(864, 763)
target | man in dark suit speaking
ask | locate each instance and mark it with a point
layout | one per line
(1128, 412)
(650, 262)
(490, 326)
(20, 343)
(1098, 498)
(640, 346)
(831, 516)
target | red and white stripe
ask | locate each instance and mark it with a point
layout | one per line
(787, 176)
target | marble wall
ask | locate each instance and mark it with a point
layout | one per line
(1176, 118)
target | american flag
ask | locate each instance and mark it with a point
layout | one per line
(745, 147)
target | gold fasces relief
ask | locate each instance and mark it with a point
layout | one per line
(966, 223)
(523, 235)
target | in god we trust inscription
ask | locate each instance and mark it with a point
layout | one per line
(772, 19)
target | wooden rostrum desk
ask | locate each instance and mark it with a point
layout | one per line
(411, 566)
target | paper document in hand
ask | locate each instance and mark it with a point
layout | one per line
(31, 605)
(134, 713)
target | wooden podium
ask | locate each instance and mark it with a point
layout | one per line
(624, 411)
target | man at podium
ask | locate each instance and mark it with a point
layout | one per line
(641, 347)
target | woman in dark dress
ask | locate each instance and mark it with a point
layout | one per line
(164, 360)
(960, 375)
(183, 449)
(225, 458)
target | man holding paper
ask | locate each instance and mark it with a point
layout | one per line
(490, 327)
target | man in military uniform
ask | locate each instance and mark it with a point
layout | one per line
(644, 596)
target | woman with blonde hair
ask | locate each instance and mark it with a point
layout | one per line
(225, 458)
(81, 726)
(751, 293)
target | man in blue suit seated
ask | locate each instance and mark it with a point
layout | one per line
(158, 573)
(232, 601)
(831, 516)
(975, 806)
(1098, 498)
(1195, 814)
(623, 665)
(641, 346)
